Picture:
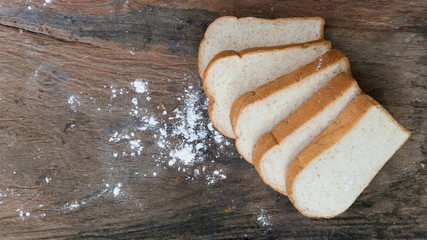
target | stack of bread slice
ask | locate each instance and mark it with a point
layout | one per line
(295, 111)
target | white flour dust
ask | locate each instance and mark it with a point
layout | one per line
(182, 136)
(264, 219)
(74, 102)
(116, 190)
(23, 214)
(1, 197)
(47, 2)
(140, 85)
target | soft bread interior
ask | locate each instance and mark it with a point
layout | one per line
(231, 33)
(329, 183)
(263, 115)
(229, 77)
(275, 161)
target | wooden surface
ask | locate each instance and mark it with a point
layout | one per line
(69, 127)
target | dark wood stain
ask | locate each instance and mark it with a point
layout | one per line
(64, 49)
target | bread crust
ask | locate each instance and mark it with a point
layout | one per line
(235, 108)
(229, 54)
(281, 83)
(264, 144)
(201, 74)
(320, 101)
(291, 78)
(345, 122)
(221, 55)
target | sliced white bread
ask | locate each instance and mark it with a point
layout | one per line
(275, 150)
(232, 33)
(258, 112)
(231, 74)
(330, 173)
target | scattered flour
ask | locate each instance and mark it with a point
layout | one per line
(264, 219)
(22, 214)
(135, 101)
(183, 136)
(136, 145)
(184, 154)
(140, 85)
(73, 206)
(191, 128)
(113, 91)
(118, 137)
(117, 189)
(73, 101)
(215, 176)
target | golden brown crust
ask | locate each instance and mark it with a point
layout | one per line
(343, 124)
(277, 19)
(263, 91)
(210, 110)
(278, 47)
(230, 53)
(238, 103)
(289, 79)
(209, 96)
(334, 133)
(282, 83)
(223, 54)
(198, 57)
(319, 102)
(264, 144)
(331, 216)
(322, 62)
(322, 28)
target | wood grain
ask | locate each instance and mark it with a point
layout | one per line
(56, 158)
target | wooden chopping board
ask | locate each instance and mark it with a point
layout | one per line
(104, 131)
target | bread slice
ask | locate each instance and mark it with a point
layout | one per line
(330, 173)
(258, 112)
(232, 33)
(275, 150)
(232, 74)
